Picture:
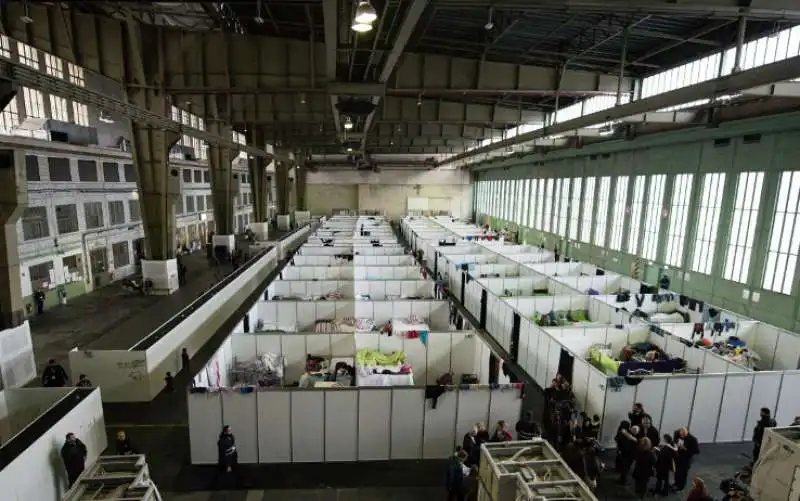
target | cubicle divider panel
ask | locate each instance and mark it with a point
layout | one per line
(344, 425)
(205, 424)
(401, 260)
(317, 272)
(382, 290)
(387, 273)
(310, 289)
(301, 316)
(436, 314)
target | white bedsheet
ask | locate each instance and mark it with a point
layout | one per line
(385, 380)
(399, 327)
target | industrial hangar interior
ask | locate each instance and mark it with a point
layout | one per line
(175, 171)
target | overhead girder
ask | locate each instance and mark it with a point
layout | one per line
(768, 9)
(785, 70)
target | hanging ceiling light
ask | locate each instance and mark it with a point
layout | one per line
(365, 13)
(361, 27)
(348, 124)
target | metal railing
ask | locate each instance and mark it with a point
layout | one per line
(182, 315)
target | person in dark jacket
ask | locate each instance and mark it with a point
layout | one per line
(643, 467)
(688, 447)
(626, 450)
(646, 429)
(124, 447)
(227, 455)
(592, 465)
(574, 459)
(699, 491)
(54, 376)
(765, 421)
(471, 446)
(454, 479)
(636, 414)
(73, 453)
(185, 360)
(83, 382)
(666, 454)
(527, 429)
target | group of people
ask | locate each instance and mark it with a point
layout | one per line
(54, 376)
(74, 453)
(644, 453)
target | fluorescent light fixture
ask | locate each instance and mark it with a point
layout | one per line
(361, 27)
(365, 13)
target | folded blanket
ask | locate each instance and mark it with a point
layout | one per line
(372, 358)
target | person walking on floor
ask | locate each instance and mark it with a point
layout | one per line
(626, 450)
(73, 453)
(185, 360)
(227, 457)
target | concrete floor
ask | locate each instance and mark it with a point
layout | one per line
(113, 318)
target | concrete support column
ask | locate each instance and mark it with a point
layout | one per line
(13, 198)
(224, 185)
(258, 179)
(282, 187)
(301, 175)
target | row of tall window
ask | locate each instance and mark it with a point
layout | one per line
(88, 171)
(38, 104)
(650, 216)
(36, 220)
(768, 49)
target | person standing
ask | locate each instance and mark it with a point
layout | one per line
(73, 453)
(501, 433)
(688, 447)
(54, 375)
(227, 456)
(39, 297)
(83, 382)
(765, 421)
(666, 454)
(454, 479)
(644, 467)
(185, 360)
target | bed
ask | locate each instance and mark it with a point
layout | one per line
(374, 368)
(264, 371)
(639, 359)
(328, 372)
(411, 327)
(564, 318)
(344, 325)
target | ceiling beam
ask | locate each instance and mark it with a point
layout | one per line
(413, 16)
(765, 9)
(780, 71)
(677, 38)
(704, 30)
(330, 11)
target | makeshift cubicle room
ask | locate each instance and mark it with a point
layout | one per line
(688, 362)
(351, 377)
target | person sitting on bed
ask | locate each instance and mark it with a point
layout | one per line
(501, 433)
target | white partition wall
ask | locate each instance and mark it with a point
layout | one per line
(710, 385)
(344, 425)
(17, 366)
(38, 472)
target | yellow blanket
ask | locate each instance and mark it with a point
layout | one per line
(371, 358)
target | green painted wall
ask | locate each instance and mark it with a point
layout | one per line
(74, 289)
(696, 152)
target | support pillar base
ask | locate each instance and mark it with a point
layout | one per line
(163, 275)
(227, 241)
(261, 231)
(284, 222)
